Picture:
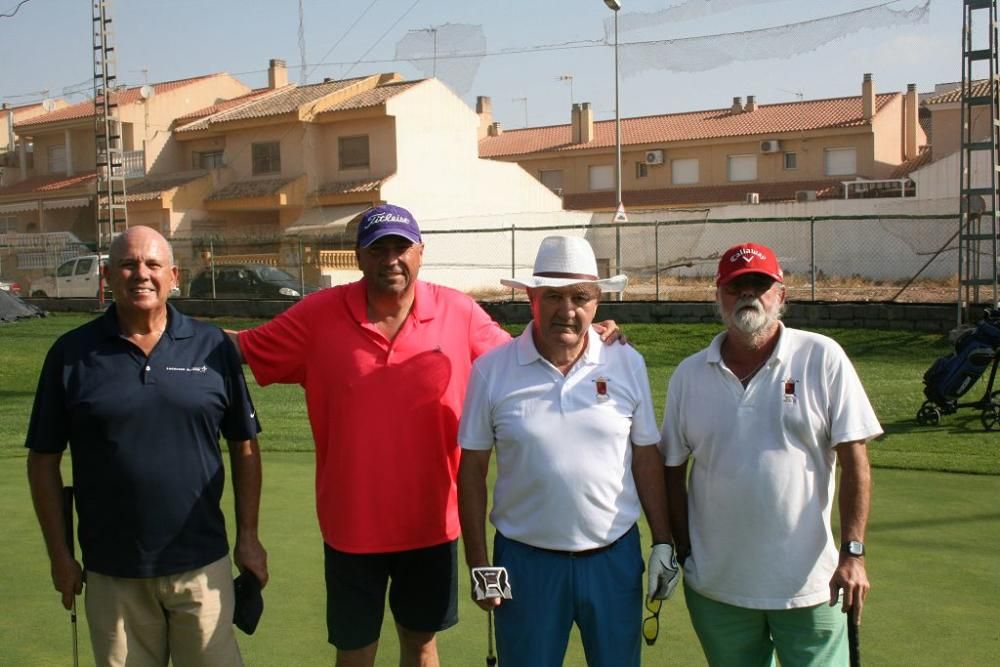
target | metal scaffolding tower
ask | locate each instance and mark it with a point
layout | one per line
(977, 257)
(109, 207)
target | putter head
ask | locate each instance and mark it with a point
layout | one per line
(490, 582)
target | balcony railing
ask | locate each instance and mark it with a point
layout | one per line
(133, 164)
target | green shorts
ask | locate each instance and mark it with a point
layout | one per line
(730, 635)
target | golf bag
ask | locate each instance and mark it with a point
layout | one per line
(952, 375)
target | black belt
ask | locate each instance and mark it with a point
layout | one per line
(581, 554)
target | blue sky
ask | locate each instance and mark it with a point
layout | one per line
(47, 45)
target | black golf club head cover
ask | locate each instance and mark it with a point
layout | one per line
(249, 602)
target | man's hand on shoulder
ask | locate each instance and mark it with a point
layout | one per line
(609, 332)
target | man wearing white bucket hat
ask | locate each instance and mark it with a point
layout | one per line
(572, 423)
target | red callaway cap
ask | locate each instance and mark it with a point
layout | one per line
(748, 258)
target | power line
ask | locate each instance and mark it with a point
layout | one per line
(384, 34)
(11, 14)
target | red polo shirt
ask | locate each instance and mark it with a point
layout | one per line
(384, 414)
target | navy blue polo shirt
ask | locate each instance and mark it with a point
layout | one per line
(144, 437)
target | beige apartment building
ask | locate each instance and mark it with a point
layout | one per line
(54, 191)
(244, 175)
(746, 153)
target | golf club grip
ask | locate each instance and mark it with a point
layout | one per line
(853, 640)
(67, 494)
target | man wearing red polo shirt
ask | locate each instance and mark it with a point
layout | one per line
(384, 362)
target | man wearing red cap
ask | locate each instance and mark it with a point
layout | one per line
(764, 415)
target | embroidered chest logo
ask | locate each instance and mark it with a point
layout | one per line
(789, 390)
(601, 386)
(193, 369)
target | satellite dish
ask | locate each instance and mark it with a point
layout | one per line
(146, 92)
(48, 104)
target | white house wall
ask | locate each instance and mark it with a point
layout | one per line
(441, 179)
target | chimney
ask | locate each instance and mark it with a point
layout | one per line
(494, 130)
(484, 109)
(910, 122)
(586, 123)
(751, 103)
(277, 74)
(737, 105)
(867, 97)
(574, 123)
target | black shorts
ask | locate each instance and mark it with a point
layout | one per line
(423, 593)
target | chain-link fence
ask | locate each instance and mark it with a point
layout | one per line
(830, 258)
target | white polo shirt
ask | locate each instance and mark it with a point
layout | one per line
(762, 480)
(564, 460)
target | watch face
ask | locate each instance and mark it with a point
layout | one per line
(855, 548)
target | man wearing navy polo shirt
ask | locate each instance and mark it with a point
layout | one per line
(141, 395)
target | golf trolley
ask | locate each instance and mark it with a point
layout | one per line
(952, 376)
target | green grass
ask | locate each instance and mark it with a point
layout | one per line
(933, 536)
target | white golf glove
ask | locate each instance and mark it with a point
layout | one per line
(663, 571)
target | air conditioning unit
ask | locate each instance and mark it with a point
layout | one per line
(752, 198)
(770, 146)
(654, 157)
(805, 195)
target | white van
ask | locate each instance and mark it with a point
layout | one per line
(79, 277)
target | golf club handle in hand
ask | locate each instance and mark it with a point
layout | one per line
(853, 640)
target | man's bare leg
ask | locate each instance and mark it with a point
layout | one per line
(362, 657)
(416, 649)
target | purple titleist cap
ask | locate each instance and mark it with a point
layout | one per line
(386, 220)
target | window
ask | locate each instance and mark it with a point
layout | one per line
(207, 160)
(684, 171)
(552, 179)
(742, 168)
(8, 224)
(601, 177)
(83, 266)
(791, 161)
(267, 158)
(353, 152)
(57, 159)
(840, 161)
(65, 269)
(641, 170)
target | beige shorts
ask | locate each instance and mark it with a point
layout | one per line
(187, 617)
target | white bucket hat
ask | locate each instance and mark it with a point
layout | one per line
(566, 260)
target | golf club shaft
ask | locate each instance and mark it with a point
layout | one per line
(70, 541)
(490, 658)
(853, 641)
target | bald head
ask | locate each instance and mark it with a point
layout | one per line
(141, 273)
(142, 236)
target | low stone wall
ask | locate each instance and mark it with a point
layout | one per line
(937, 318)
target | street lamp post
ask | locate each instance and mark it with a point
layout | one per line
(615, 6)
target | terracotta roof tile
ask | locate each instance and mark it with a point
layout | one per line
(350, 187)
(125, 97)
(44, 184)
(284, 100)
(906, 168)
(695, 195)
(224, 105)
(979, 89)
(688, 126)
(374, 97)
(151, 187)
(250, 189)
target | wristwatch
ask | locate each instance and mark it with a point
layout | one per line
(853, 548)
